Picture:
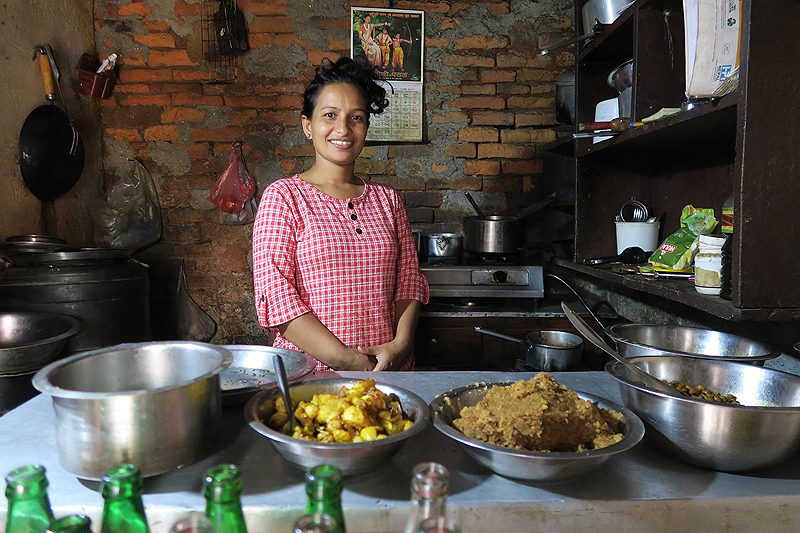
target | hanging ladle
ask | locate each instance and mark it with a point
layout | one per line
(283, 385)
(475, 205)
(632, 372)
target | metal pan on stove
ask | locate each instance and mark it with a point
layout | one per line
(252, 370)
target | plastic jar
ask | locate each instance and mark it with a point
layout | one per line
(708, 264)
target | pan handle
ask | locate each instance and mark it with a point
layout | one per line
(47, 76)
(580, 299)
(506, 337)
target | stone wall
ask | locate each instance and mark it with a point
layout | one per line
(488, 106)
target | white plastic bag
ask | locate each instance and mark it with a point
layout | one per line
(130, 216)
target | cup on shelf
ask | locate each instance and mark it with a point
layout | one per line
(641, 234)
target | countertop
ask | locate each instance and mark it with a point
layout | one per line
(640, 490)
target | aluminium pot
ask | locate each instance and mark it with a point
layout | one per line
(601, 11)
(157, 405)
(548, 350)
(444, 244)
(493, 234)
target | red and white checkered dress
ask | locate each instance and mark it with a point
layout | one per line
(346, 261)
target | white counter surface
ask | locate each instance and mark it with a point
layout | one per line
(640, 490)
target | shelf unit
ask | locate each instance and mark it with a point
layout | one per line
(745, 144)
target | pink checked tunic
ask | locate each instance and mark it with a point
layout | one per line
(346, 261)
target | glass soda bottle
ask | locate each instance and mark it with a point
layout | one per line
(74, 523)
(222, 489)
(429, 486)
(123, 510)
(28, 504)
(315, 523)
(324, 489)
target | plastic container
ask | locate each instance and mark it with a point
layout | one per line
(708, 264)
(97, 85)
(641, 234)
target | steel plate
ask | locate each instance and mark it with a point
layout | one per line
(252, 370)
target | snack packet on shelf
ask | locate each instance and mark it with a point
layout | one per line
(678, 250)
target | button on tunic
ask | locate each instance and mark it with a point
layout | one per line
(347, 261)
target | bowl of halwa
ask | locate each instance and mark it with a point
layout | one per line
(535, 430)
(701, 426)
(355, 425)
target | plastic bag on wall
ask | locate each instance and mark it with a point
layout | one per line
(235, 186)
(130, 215)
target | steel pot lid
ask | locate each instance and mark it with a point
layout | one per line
(77, 256)
(35, 239)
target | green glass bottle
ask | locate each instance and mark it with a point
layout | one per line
(28, 504)
(324, 489)
(123, 510)
(74, 523)
(223, 491)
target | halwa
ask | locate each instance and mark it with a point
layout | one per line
(540, 415)
(359, 414)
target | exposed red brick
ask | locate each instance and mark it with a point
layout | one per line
(172, 58)
(527, 136)
(466, 60)
(129, 75)
(262, 7)
(133, 88)
(504, 184)
(530, 102)
(198, 150)
(466, 183)
(461, 150)
(184, 9)
(509, 151)
(482, 42)
(257, 40)
(191, 75)
(484, 102)
(123, 135)
(162, 133)
(256, 102)
(239, 117)
(148, 99)
(511, 60)
(529, 166)
(500, 8)
(497, 76)
(272, 24)
(181, 114)
(437, 42)
(285, 40)
(452, 117)
(135, 8)
(482, 88)
(228, 134)
(196, 99)
(448, 89)
(535, 119)
(481, 168)
(156, 25)
(156, 40)
(478, 134)
(132, 59)
(492, 118)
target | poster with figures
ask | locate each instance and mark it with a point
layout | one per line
(392, 41)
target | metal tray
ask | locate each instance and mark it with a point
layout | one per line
(252, 370)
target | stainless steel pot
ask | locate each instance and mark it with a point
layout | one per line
(602, 11)
(156, 405)
(492, 234)
(551, 351)
(444, 244)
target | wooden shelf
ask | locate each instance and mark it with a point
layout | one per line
(679, 291)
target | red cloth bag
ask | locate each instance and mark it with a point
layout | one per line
(235, 186)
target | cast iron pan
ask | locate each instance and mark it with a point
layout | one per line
(51, 153)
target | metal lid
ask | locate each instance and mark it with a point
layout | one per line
(634, 211)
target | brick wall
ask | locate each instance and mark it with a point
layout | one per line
(489, 109)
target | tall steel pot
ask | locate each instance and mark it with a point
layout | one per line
(157, 405)
(494, 234)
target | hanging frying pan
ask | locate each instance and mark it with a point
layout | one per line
(51, 152)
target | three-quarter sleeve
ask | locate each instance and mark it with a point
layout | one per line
(274, 265)
(411, 283)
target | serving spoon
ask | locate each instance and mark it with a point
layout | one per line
(633, 372)
(283, 385)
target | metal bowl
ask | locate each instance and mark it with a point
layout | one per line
(634, 340)
(154, 404)
(252, 370)
(763, 431)
(29, 340)
(621, 77)
(527, 465)
(350, 458)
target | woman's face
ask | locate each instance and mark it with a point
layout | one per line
(339, 125)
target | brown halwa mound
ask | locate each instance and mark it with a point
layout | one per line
(540, 415)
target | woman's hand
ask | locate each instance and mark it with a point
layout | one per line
(389, 355)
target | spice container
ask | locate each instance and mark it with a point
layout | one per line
(708, 264)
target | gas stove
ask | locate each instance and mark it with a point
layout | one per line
(499, 280)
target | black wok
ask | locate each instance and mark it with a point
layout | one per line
(51, 152)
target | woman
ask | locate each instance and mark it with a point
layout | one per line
(368, 44)
(335, 267)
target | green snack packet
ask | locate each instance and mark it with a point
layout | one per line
(678, 250)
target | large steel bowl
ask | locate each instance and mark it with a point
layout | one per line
(527, 465)
(763, 431)
(156, 405)
(29, 340)
(634, 340)
(350, 458)
(251, 370)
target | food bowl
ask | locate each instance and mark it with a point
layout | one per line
(29, 339)
(522, 464)
(634, 340)
(154, 404)
(251, 370)
(763, 431)
(621, 77)
(350, 458)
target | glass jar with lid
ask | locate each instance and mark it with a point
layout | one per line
(708, 264)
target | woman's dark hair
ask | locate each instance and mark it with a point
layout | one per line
(346, 70)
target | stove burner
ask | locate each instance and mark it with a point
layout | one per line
(487, 258)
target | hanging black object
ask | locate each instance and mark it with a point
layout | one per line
(231, 29)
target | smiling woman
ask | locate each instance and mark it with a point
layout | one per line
(336, 271)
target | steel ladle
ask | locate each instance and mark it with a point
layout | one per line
(633, 372)
(283, 385)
